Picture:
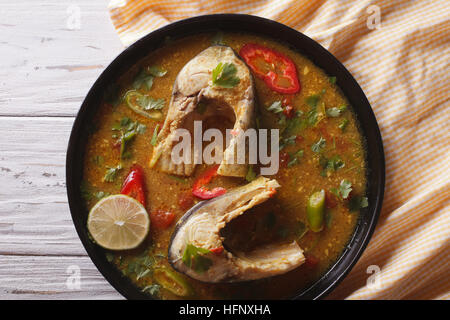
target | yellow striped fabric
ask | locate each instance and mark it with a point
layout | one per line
(402, 66)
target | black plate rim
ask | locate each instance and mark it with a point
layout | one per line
(364, 230)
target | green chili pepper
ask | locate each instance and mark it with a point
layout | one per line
(133, 97)
(172, 282)
(315, 210)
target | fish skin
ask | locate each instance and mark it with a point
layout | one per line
(201, 227)
(194, 84)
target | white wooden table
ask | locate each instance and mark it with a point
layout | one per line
(48, 60)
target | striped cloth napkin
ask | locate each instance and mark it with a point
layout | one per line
(398, 51)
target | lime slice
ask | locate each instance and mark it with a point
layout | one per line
(118, 222)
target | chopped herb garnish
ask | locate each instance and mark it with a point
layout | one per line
(156, 71)
(313, 100)
(111, 173)
(251, 175)
(101, 194)
(287, 141)
(336, 111)
(152, 289)
(275, 107)
(145, 77)
(128, 130)
(148, 103)
(88, 194)
(343, 124)
(319, 145)
(295, 158)
(345, 187)
(332, 164)
(311, 117)
(155, 135)
(193, 257)
(141, 266)
(357, 202)
(224, 75)
(332, 80)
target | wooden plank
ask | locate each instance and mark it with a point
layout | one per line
(34, 214)
(23, 277)
(47, 65)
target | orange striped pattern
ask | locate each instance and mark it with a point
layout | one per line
(403, 68)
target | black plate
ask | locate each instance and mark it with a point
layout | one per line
(241, 23)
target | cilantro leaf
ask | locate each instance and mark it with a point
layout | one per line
(148, 103)
(332, 164)
(335, 111)
(345, 188)
(111, 173)
(332, 79)
(319, 145)
(193, 257)
(343, 124)
(295, 158)
(101, 194)
(152, 289)
(311, 117)
(156, 71)
(145, 77)
(287, 141)
(128, 130)
(224, 75)
(275, 107)
(357, 202)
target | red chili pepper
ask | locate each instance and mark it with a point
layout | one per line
(200, 191)
(287, 101)
(161, 219)
(185, 201)
(134, 185)
(217, 251)
(288, 111)
(277, 70)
